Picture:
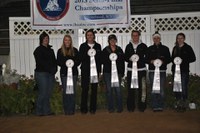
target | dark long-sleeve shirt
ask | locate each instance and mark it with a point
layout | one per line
(45, 59)
(140, 51)
(158, 52)
(107, 62)
(85, 58)
(61, 60)
(187, 55)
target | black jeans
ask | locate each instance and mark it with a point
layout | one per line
(85, 84)
(137, 95)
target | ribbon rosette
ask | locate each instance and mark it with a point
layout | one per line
(114, 73)
(93, 68)
(177, 76)
(69, 85)
(156, 81)
(134, 77)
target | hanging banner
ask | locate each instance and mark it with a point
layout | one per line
(76, 14)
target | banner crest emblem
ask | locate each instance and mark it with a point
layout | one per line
(53, 9)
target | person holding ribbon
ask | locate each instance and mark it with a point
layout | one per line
(90, 59)
(182, 56)
(67, 59)
(158, 56)
(113, 71)
(135, 53)
(45, 70)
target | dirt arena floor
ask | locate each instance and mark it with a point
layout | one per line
(104, 122)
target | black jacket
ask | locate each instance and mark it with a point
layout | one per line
(107, 62)
(61, 61)
(187, 55)
(45, 59)
(158, 52)
(85, 58)
(140, 51)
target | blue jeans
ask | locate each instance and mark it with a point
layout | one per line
(45, 82)
(158, 98)
(107, 79)
(69, 99)
(184, 82)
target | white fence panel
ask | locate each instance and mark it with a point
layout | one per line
(23, 39)
(196, 48)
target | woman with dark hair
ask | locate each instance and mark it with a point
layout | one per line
(113, 71)
(67, 59)
(182, 56)
(44, 74)
(90, 55)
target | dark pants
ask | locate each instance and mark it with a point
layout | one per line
(69, 99)
(135, 95)
(85, 84)
(110, 99)
(158, 98)
(184, 82)
(45, 83)
(181, 97)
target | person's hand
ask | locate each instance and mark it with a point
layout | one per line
(152, 61)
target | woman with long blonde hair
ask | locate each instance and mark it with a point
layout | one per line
(67, 46)
(67, 59)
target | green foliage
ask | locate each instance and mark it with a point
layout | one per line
(56, 99)
(168, 92)
(7, 99)
(194, 90)
(20, 98)
(26, 96)
(17, 98)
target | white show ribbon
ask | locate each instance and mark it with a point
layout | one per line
(93, 68)
(177, 76)
(114, 73)
(156, 80)
(69, 85)
(134, 76)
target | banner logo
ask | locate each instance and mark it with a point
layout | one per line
(53, 9)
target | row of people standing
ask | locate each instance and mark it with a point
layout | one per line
(90, 57)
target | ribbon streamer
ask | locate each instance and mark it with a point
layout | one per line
(93, 68)
(177, 76)
(134, 76)
(156, 81)
(69, 85)
(114, 73)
